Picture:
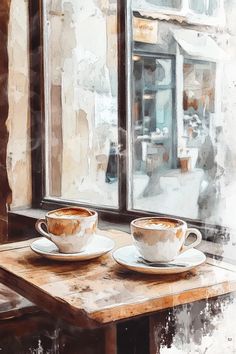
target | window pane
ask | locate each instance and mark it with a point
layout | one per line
(212, 8)
(173, 160)
(81, 101)
(198, 101)
(153, 138)
(209, 7)
(176, 4)
(156, 72)
(197, 6)
(189, 169)
(199, 130)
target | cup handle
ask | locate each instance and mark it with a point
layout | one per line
(39, 228)
(195, 243)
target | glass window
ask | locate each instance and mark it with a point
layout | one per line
(175, 4)
(180, 141)
(153, 124)
(200, 131)
(81, 101)
(198, 100)
(204, 7)
(174, 157)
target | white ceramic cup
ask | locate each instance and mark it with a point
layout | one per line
(71, 229)
(162, 239)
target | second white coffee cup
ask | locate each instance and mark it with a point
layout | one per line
(160, 239)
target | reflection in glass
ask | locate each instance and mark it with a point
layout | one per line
(174, 163)
(81, 101)
(198, 100)
(199, 130)
(153, 121)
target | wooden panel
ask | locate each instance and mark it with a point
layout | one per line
(55, 162)
(96, 292)
(5, 192)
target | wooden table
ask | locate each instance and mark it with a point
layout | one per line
(98, 292)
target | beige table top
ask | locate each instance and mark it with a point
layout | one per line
(96, 292)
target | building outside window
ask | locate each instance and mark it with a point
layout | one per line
(207, 12)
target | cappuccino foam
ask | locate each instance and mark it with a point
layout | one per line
(70, 213)
(158, 224)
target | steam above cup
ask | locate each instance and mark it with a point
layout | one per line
(160, 239)
(71, 229)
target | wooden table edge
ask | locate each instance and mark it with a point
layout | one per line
(97, 319)
(76, 316)
(80, 317)
(163, 303)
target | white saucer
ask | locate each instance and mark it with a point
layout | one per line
(128, 257)
(97, 247)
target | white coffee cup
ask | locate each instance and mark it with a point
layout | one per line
(71, 229)
(162, 239)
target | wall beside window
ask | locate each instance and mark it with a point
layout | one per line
(18, 122)
(15, 150)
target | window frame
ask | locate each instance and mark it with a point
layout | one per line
(36, 102)
(37, 113)
(186, 13)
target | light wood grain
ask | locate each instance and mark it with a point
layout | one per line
(97, 292)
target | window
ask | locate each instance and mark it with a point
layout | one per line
(153, 129)
(204, 7)
(179, 152)
(81, 99)
(198, 101)
(175, 4)
(136, 129)
(170, 164)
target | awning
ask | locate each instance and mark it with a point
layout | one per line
(199, 45)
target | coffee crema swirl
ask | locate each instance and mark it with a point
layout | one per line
(70, 213)
(157, 224)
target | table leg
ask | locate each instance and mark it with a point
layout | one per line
(111, 339)
(154, 335)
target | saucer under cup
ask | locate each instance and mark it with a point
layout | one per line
(129, 257)
(98, 246)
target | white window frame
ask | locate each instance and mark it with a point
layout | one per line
(184, 13)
